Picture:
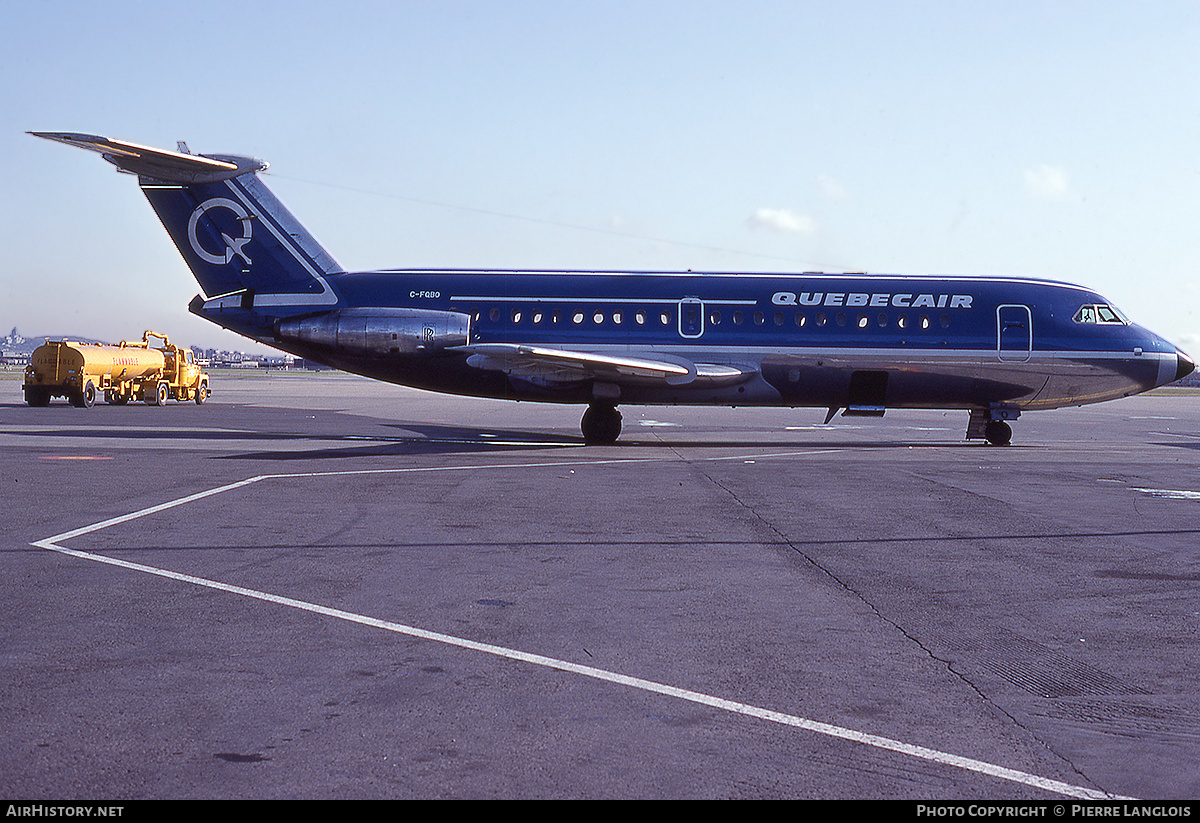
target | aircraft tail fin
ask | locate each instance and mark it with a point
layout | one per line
(232, 231)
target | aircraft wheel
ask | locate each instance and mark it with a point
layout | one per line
(601, 425)
(998, 433)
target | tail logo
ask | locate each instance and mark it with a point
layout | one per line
(233, 245)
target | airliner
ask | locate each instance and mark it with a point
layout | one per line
(860, 344)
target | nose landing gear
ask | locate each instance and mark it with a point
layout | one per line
(998, 433)
(990, 425)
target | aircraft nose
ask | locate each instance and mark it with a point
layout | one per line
(1184, 365)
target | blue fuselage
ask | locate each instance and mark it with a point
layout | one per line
(798, 340)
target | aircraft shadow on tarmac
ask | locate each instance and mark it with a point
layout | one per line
(429, 439)
(771, 438)
(436, 440)
(1195, 444)
(152, 434)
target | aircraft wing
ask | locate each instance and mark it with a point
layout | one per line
(570, 366)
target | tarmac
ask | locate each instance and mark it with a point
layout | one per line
(318, 586)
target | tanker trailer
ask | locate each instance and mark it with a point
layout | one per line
(124, 372)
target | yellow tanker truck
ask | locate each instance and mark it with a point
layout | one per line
(123, 372)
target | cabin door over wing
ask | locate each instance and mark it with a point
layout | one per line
(1014, 333)
(691, 317)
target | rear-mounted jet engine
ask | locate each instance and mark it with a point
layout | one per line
(379, 331)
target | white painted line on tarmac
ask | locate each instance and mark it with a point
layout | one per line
(769, 715)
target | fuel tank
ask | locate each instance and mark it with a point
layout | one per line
(62, 362)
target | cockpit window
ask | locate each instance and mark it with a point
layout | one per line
(1100, 313)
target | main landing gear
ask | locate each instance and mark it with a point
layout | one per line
(601, 424)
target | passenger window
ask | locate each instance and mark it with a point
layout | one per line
(945, 321)
(821, 318)
(758, 318)
(617, 318)
(799, 320)
(738, 318)
(577, 318)
(494, 315)
(778, 318)
(714, 318)
(665, 317)
(516, 316)
(640, 318)
(882, 320)
(902, 322)
(924, 322)
(537, 317)
(598, 318)
(863, 321)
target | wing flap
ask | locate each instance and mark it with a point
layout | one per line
(570, 366)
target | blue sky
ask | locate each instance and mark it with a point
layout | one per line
(1050, 139)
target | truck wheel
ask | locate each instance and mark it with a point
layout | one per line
(164, 393)
(85, 398)
(201, 394)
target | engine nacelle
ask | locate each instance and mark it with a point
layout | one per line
(380, 331)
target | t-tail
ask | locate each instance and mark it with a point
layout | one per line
(252, 258)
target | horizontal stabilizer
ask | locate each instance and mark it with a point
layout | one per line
(158, 164)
